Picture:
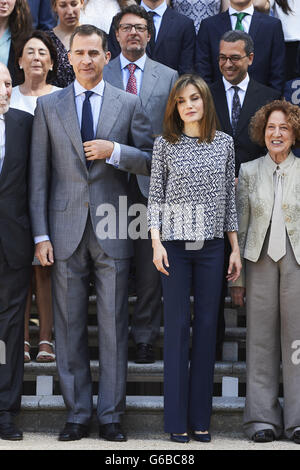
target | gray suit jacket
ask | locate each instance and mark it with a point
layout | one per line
(255, 199)
(158, 81)
(63, 191)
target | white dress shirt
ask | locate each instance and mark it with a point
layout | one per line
(246, 22)
(140, 63)
(243, 85)
(2, 140)
(157, 18)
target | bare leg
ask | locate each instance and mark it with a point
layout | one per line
(44, 305)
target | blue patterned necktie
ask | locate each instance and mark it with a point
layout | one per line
(87, 123)
(236, 109)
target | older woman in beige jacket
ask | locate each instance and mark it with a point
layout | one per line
(268, 203)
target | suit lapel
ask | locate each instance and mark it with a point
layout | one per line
(249, 106)
(110, 110)
(255, 23)
(166, 24)
(149, 81)
(66, 110)
(222, 107)
(225, 22)
(114, 73)
(10, 144)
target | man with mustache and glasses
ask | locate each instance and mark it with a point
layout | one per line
(16, 253)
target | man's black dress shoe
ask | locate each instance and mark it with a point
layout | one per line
(112, 432)
(10, 432)
(144, 354)
(265, 435)
(201, 437)
(296, 437)
(179, 438)
(73, 432)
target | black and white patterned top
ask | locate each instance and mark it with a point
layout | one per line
(197, 10)
(192, 190)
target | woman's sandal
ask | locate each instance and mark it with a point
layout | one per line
(44, 356)
(27, 357)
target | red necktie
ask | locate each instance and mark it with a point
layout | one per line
(131, 84)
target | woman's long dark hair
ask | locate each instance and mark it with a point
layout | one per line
(20, 23)
(284, 5)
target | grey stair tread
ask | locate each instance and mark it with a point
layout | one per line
(139, 372)
(151, 403)
(231, 333)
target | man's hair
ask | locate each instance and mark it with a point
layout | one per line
(234, 36)
(88, 30)
(134, 10)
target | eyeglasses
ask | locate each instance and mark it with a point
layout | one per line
(232, 58)
(126, 28)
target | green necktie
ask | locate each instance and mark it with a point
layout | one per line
(240, 17)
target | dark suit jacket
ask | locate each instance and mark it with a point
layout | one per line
(42, 15)
(257, 95)
(15, 233)
(268, 65)
(175, 44)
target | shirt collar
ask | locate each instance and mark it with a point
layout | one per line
(249, 10)
(140, 63)
(98, 89)
(159, 10)
(2, 117)
(243, 84)
(285, 165)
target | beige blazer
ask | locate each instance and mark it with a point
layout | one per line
(255, 198)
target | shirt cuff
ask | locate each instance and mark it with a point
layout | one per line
(114, 159)
(41, 238)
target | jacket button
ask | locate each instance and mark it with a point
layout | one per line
(86, 204)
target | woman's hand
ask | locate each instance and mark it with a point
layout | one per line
(235, 266)
(160, 257)
(237, 295)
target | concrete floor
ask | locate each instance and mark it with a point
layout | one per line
(136, 442)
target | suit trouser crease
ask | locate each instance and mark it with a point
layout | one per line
(146, 317)
(70, 305)
(273, 299)
(188, 391)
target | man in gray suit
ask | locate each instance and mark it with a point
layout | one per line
(85, 140)
(134, 72)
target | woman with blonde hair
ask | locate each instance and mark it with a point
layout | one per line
(191, 205)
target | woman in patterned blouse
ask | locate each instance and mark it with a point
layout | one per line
(68, 12)
(191, 205)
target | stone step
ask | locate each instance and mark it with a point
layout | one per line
(232, 334)
(132, 302)
(48, 414)
(138, 372)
